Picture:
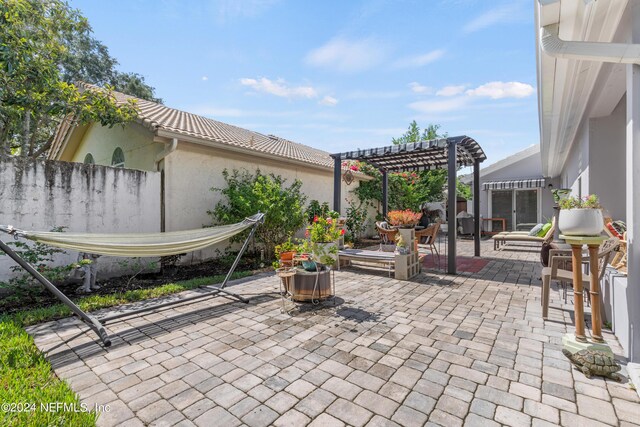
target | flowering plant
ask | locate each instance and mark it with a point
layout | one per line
(324, 230)
(587, 202)
(406, 218)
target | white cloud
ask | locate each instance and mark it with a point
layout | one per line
(450, 90)
(511, 12)
(329, 101)
(347, 55)
(498, 90)
(439, 106)
(205, 78)
(279, 88)
(418, 88)
(421, 60)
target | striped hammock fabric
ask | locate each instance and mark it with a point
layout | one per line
(138, 244)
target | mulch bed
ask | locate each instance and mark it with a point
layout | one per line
(140, 281)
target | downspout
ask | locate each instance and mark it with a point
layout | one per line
(168, 149)
(620, 53)
(159, 160)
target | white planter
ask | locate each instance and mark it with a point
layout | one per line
(323, 250)
(581, 222)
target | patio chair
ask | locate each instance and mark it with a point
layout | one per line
(559, 269)
(387, 235)
(430, 235)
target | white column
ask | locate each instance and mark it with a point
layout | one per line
(633, 190)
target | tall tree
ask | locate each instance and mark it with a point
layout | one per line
(44, 47)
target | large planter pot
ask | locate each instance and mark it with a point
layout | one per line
(580, 222)
(310, 286)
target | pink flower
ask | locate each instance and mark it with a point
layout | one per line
(306, 233)
(329, 220)
(315, 218)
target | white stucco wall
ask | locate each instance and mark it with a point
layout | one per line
(135, 140)
(192, 170)
(39, 195)
(575, 174)
(526, 168)
(607, 171)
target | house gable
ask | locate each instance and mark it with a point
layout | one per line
(135, 140)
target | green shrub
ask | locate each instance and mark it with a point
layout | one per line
(248, 193)
(315, 209)
(25, 288)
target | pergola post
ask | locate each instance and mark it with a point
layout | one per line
(337, 183)
(452, 228)
(476, 207)
(385, 193)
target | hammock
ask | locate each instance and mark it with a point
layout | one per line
(133, 245)
(137, 244)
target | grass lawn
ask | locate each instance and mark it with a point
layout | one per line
(26, 378)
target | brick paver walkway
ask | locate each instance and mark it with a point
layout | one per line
(439, 350)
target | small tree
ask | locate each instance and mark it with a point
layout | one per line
(248, 193)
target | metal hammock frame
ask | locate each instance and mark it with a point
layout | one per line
(97, 324)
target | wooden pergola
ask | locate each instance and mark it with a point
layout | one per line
(451, 153)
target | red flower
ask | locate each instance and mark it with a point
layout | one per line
(342, 232)
(315, 218)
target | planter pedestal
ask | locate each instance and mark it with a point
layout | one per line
(407, 266)
(578, 341)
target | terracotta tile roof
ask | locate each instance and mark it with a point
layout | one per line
(157, 116)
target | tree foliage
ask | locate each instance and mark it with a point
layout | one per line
(248, 193)
(45, 46)
(408, 190)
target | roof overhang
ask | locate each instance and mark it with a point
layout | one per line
(423, 155)
(570, 85)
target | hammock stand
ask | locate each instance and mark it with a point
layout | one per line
(97, 324)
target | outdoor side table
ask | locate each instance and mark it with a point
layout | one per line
(503, 221)
(579, 340)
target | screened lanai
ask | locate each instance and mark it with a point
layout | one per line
(451, 153)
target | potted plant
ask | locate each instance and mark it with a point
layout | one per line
(580, 216)
(323, 234)
(284, 253)
(403, 219)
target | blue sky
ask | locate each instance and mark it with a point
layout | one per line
(336, 75)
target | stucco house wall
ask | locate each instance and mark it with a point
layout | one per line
(607, 168)
(191, 152)
(135, 141)
(523, 165)
(590, 129)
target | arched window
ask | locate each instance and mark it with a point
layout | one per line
(88, 159)
(117, 160)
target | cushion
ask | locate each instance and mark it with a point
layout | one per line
(535, 230)
(544, 229)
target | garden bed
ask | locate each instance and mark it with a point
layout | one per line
(120, 285)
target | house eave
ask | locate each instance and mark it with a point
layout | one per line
(566, 85)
